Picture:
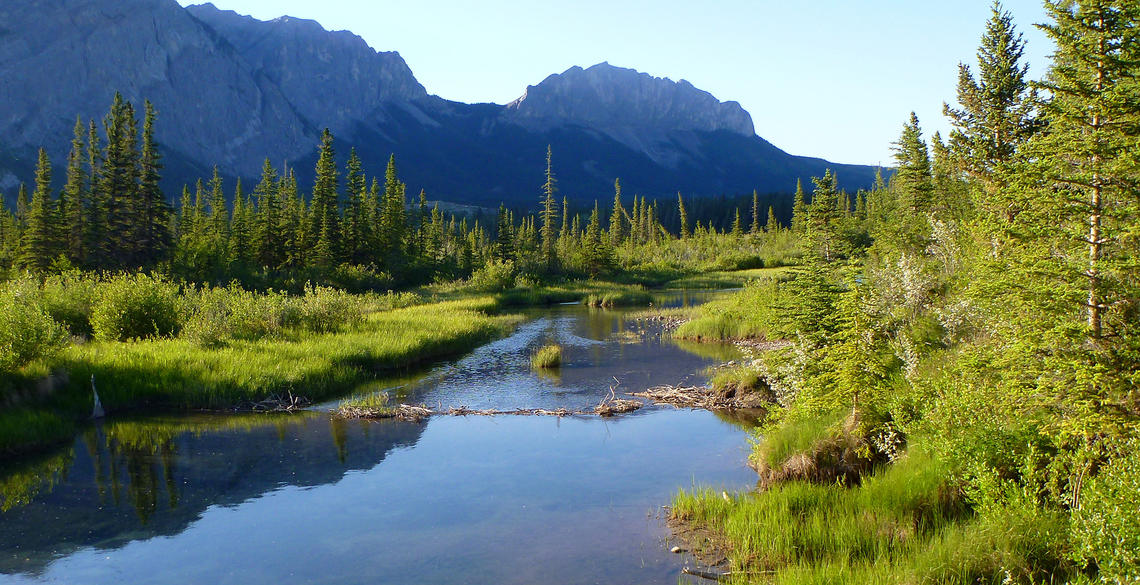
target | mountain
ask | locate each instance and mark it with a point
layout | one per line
(231, 90)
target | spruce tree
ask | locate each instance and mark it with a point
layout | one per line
(617, 219)
(153, 214)
(269, 243)
(37, 246)
(912, 182)
(799, 208)
(771, 225)
(73, 202)
(755, 229)
(683, 215)
(996, 109)
(737, 228)
(324, 214)
(119, 187)
(549, 215)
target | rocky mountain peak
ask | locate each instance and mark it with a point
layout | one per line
(333, 79)
(605, 97)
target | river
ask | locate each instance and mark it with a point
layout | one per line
(306, 498)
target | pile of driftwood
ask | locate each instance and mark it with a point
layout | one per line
(417, 413)
(280, 403)
(694, 397)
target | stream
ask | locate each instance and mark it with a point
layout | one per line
(307, 498)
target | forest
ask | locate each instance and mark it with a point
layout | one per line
(953, 398)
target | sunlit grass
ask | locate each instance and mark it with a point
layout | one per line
(547, 357)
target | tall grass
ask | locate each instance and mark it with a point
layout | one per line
(908, 523)
(547, 357)
(749, 314)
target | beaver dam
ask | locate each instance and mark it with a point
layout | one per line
(464, 485)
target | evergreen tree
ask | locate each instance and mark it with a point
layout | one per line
(37, 247)
(324, 213)
(356, 217)
(684, 216)
(549, 215)
(996, 109)
(913, 181)
(799, 208)
(1089, 158)
(755, 229)
(737, 228)
(269, 241)
(504, 236)
(772, 225)
(617, 227)
(73, 202)
(119, 188)
(153, 217)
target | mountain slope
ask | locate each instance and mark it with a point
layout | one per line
(231, 90)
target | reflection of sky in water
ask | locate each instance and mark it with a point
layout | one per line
(456, 500)
(306, 499)
(601, 349)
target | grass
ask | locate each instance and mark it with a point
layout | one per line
(727, 278)
(619, 298)
(180, 374)
(749, 314)
(738, 380)
(547, 357)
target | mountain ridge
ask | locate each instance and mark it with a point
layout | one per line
(232, 91)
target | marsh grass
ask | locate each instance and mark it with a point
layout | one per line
(749, 314)
(547, 357)
(619, 298)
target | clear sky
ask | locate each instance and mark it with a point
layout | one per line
(828, 78)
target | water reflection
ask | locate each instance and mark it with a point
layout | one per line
(136, 479)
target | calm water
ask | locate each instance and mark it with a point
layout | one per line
(307, 499)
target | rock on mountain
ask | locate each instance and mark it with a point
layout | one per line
(232, 90)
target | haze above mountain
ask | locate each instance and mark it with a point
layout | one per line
(232, 91)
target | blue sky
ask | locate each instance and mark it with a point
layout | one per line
(829, 78)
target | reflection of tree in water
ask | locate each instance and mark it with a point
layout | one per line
(20, 484)
(133, 479)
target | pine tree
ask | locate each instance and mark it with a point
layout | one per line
(996, 113)
(913, 180)
(73, 202)
(268, 240)
(219, 218)
(549, 215)
(356, 216)
(504, 236)
(737, 228)
(153, 211)
(324, 213)
(241, 230)
(119, 187)
(755, 229)
(37, 247)
(799, 208)
(772, 225)
(822, 217)
(683, 215)
(1089, 157)
(617, 219)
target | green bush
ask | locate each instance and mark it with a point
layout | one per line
(70, 299)
(137, 306)
(27, 332)
(326, 309)
(1106, 527)
(494, 276)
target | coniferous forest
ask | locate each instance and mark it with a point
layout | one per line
(948, 361)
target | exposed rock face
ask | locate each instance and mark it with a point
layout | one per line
(332, 79)
(605, 97)
(64, 58)
(231, 91)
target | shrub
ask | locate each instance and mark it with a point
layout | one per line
(70, 299)
(136, 306)
(1106, 528)
(27, 332)
(494, 276)
(326, 309)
